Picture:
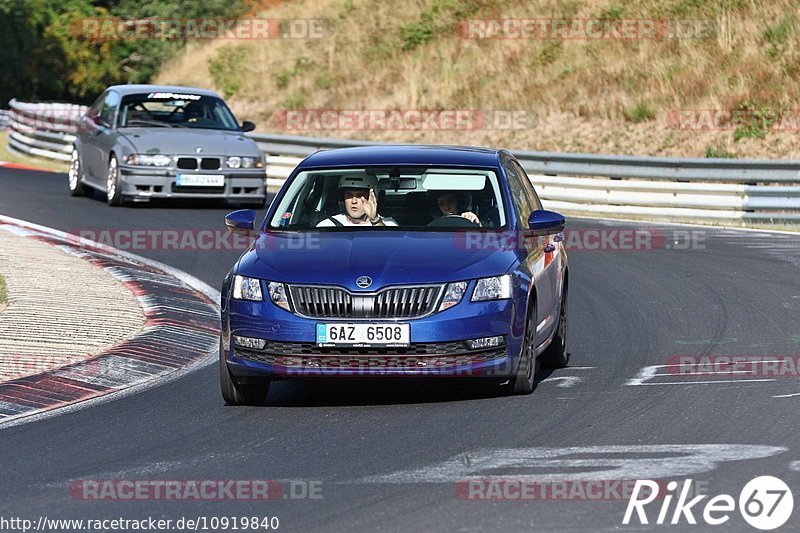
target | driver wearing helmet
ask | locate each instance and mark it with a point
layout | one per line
(453, 203)
(360, 204)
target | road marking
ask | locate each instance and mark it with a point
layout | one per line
(585, 463)
(787, 395)
(649, 372)
(566, 381)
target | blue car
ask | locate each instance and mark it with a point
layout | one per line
(398, 261)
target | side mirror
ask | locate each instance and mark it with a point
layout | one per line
(241, 221)
(543, 222)
(248, 126)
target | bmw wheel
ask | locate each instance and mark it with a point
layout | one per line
(76, 187)
(113, 191)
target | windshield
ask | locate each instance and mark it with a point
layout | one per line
(419, 198)
(184, 110)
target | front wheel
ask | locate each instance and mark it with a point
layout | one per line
(556, 355)
(240, 393)
(76, 186)
(113, 190)
(524, 381)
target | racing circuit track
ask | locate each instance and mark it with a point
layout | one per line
(373, 446)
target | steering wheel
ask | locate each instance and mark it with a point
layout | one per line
(452, 221)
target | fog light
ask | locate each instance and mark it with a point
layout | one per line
(486, 342)
(249, 342)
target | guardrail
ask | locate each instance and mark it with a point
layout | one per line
(695, 189)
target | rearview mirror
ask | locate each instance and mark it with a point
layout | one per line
(543, 222)
(248, 126)
(241, 221)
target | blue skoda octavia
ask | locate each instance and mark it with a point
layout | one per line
(396, 261)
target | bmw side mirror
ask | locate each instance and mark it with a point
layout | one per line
(241, 221)
(543, 222)
(248, 126)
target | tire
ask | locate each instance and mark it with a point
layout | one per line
(76, 186)
(113, 192)
(525, 379)
(239, 393)
(556, 355)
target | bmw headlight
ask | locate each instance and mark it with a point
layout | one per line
(453, 294)
(277, 293)
(247, 289)
(149, 160)
(495, 288)
(236, 161)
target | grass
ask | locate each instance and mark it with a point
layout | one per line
(412, 54)
(39, 162)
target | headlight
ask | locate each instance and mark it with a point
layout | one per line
(496, 288)
(149, 160)
(247, 289)
(453, 294)
(236, 161)
(277, 293)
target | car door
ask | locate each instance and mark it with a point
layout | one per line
(99, 138)
(534, 248)
(552, 273)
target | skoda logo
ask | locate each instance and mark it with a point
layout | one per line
(198, 150)
(364, 281)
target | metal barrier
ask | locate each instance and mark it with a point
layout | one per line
(695, 189)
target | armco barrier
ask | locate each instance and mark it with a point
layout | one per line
(695, 189)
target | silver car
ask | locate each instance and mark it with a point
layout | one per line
(139, 142)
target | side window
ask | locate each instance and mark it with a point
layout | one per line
(518, 196)
(94, 111)
(528, 186)
(109, 107)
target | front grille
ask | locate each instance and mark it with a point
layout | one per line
(336, 302)
(419, 348)
(193, 163)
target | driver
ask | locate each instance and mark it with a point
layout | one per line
(448, 203)
(360, 204)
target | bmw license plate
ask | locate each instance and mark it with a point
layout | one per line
(364, 335)
(200, 180)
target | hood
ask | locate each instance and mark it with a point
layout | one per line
(338, 258)
(185, 141)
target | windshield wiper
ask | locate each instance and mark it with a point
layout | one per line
(150, 123)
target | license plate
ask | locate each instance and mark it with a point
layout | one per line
(363, 335)
(201, 180)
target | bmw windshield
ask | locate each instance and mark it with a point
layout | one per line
(419, 198)
(165, 109)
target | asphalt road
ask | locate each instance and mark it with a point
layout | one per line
(388, 456)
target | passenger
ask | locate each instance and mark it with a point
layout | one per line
(448, 203)
(360, 204)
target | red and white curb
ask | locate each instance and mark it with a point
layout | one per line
(18, 166)
(181, 334)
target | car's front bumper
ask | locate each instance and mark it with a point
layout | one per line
(437, 346)
(143, 183)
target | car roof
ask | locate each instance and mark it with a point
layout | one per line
(124, 90)
(468, 156)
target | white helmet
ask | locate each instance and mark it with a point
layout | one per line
(358, 181)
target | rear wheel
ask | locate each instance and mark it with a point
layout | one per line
(556, 355)
(523, 382)
(76, 186)
(240, 393)
(113, 190)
